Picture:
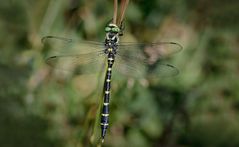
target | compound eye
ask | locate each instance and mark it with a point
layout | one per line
(116, 30)
(107, 29)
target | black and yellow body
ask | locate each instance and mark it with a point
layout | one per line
(111, 44)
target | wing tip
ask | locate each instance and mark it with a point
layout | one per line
(48, 59)
(46, 37)
(43, 39)
(179, 45)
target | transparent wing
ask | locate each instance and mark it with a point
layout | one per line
(65, 45)
(139, 59)
(153, 51)
(69, 55)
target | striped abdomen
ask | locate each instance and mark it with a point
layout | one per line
(105, 109)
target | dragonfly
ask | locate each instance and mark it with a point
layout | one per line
(131, 59)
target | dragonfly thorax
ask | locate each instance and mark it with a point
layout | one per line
(112, 38)
(110, 49)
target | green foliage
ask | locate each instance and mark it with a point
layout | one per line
(40, 106)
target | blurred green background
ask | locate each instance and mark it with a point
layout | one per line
(197, 108)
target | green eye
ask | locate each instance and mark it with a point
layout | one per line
(107, 29)
(115, 29)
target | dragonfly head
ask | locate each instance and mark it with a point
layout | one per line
(112, 33)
